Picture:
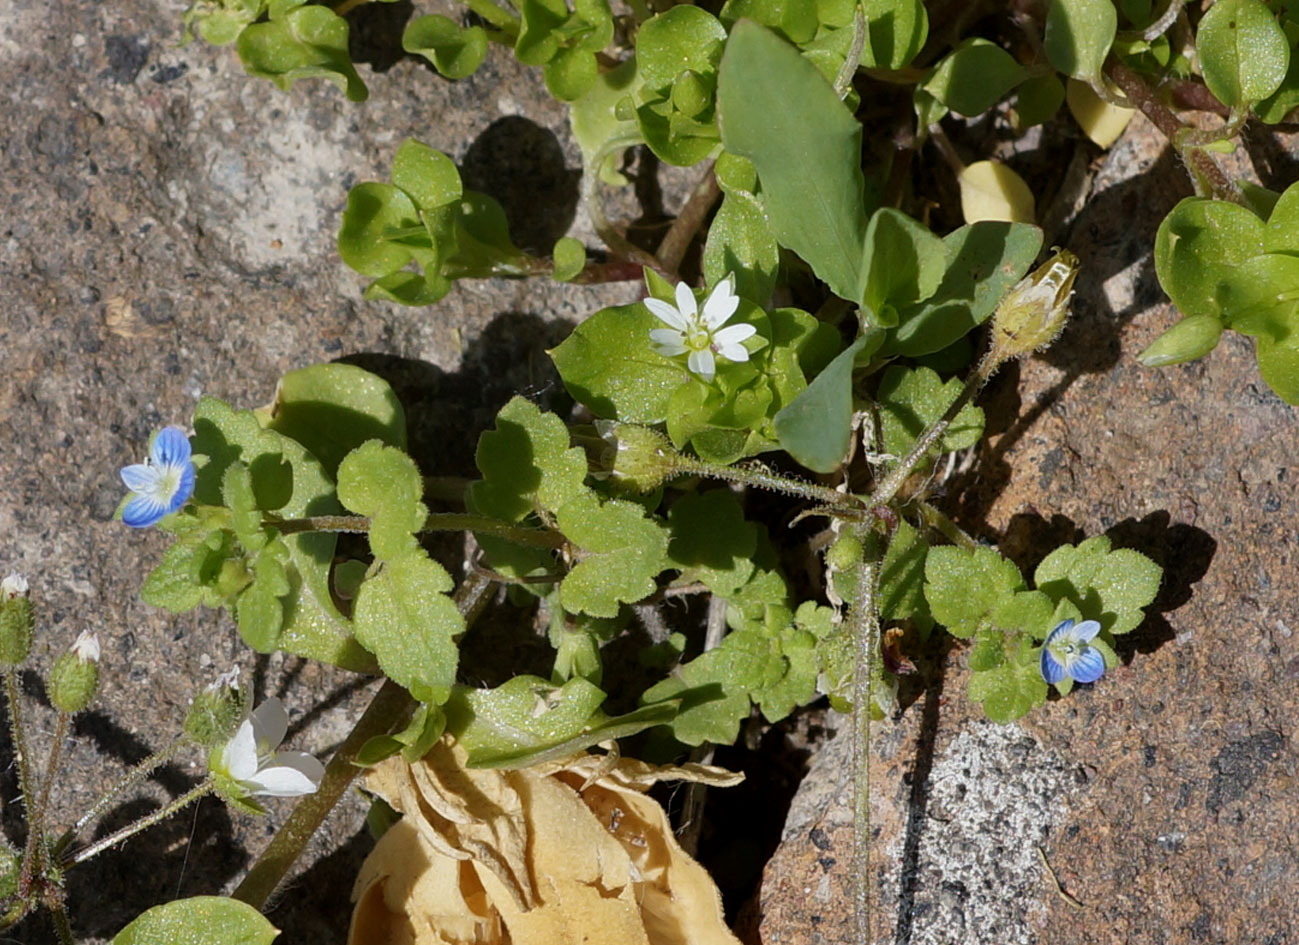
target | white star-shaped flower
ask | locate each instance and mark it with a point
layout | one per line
(701, 333)
(248, 763)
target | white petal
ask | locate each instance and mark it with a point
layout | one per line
(239, 756)
(720, 304)
(734, 334)
(737, 353)
(288, 780)
(139, 478)
(668, 341)
(666, 313)
(702, 363)
(270, 723)
(686, 303)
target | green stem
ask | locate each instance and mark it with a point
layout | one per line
(437, 521)
(36, 855)
(347, 6)
(893, 482)
(144, 823)
(26, 781)
(940, 523)
(843, 81)
(494, 15)
(129, 780)
(865, 629)
(763, 478)
(389, 706)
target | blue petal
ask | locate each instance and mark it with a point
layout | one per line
(1063, 627)
(184, 490)
(1084, 632)
(170, 447)
(143, 511)
(1089, 666)
(1052, 669)
(140, 478)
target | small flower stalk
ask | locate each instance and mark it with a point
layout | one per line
(699, 334)
(1068, 653)
(75, 677)
(163, 483)
(1034, 312)
(15, 622)
(249, 762)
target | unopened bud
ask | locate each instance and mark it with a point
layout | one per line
(1034, 312)
(75, 676)
(638, 458)
(15, 621)
(217, 711)
(1193, 337)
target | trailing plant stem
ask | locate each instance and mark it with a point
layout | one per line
(144, 823)
(763, 478)
(436, 522)
(865, 629)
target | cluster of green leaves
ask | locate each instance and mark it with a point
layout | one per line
(1230, 266)
(980, 596)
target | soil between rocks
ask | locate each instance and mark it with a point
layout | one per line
(167, 231)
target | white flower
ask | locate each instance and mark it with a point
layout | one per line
(86, 646)
(15, 585)
(699, 334)
(250, 764)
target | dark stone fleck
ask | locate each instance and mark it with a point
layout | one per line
(1238, 766)
(819, 839)
(126, 57)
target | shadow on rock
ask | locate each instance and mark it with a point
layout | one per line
(521, 165)
(320, 907)
(375, 31)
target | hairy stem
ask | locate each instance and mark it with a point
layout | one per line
(940, 523)
(760, 477)
(144, 823)
(436, 522)
(864, 626)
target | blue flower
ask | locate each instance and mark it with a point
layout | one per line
(161, 485)
(1068, 652)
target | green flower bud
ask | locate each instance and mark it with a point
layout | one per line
(75, 676)
(1034, 312)
(1193, 337)
(217, 711)
(638, 458)
(15, 621)
(845, 553)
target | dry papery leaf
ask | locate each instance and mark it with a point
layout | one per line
(561, 853)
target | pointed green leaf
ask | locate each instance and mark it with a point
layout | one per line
(1243, 52)
(816, 426)
(974, 76)
(1078, 36)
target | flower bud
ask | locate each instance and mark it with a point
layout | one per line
(637, 458)
(1193, 337)
(1034, 312)
(216, 711)
(15, 621)
(75, 676)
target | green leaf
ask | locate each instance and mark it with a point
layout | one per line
(1111, 587)
(384, 483)
(1012, 689)
(964, 588)
(333, 408)
(620, 552)
(816, 427)
(1279, 366)
(679, 39)
(910, 401)
(1243, 53)
(527, 720)
(1038, 100)
(607, 364)
(1190, 338)
(259, 611)
(1027, 612)
(1197, 245)
(808, 158)
(199, 920)
(902, 575)
(711, 542)
(902, 263)
(187, 574)
(369, 240)
(713, 692)
(570, 259)
(896, 32)
(599, 130)
(974, 76)
(305, 42)
(454, 51)
(1281, 234)
(1078, 36)
(740, 243)
(403, 616)
(984, 261)
(425, 175)
(245, 517)
(1261, 298)
(527, 463)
